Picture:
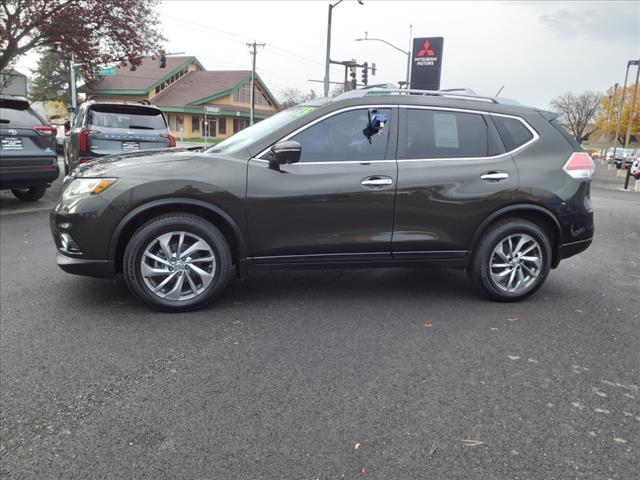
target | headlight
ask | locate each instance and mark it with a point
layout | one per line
(84, 187)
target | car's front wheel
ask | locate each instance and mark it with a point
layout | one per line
(177, 262)
(29, 194)
(512, 260)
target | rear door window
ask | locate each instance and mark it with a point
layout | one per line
(126, 117)
(435, 134)
(513, 132)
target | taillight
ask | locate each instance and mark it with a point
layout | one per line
(83, 139)
(579, 165)
(172, 141)
(47, 130)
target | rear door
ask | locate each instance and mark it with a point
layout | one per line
(452, 173)
(115, 129)
(22, 145)
(336, 204)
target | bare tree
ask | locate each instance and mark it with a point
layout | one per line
(577, 111)
(295, 96)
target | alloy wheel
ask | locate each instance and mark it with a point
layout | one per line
(178, 265)
(516, 263)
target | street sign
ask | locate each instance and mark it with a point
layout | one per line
(212, 110)
(107, 71)
(427, 63)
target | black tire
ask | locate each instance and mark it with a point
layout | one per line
(480, 270)
(182, 222)
(29, 194)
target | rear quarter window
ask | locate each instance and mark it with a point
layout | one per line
(513, 132)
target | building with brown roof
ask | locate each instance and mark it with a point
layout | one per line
(196, 102)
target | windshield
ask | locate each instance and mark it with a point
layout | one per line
(260, 129)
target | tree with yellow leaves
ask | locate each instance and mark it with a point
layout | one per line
(607, 122)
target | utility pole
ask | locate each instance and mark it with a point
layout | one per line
(254, 51)
(612, 101)
(630, 120)
(72, 70)
(624, 91)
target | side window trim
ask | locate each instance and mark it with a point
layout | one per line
(392, 139)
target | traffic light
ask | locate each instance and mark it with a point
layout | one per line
(163, 60)
(373, 69)
(365, 73)
(352, 73)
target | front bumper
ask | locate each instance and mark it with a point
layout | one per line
(90, 268)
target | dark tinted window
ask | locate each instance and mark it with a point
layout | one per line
(440, 134)
(18, 114)
(126, 116)
(341, 137)
(512, 131)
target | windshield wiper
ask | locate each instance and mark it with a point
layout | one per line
(141, 127)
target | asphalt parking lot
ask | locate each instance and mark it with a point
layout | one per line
(385, 374)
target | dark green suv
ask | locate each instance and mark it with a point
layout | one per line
(372, 178)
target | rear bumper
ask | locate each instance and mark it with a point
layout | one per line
(570, 249)
(90, 268)
(28, 175)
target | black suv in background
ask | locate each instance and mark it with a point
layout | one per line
(372, 178)
(101, 129)
(28, 161)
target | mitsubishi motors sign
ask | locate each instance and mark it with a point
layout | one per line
(426, 63)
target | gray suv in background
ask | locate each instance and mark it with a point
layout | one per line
(101, 129)
(28, 161)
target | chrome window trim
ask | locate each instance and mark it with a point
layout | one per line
(332, 162)
(535, 134)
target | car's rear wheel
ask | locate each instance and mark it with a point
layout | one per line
(29, 194)
(512, 260)
(177, 262)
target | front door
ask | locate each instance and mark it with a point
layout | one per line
(336, 203)
(453, 172)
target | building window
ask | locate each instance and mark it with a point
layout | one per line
(240, 124)
(195, 123)
(222, 126)
(179, 123)
(243, 95)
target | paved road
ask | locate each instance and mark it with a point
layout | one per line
(291, 371)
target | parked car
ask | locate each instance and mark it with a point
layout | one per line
(372, 178)
(635, 168)
(101, 129)
(28, 161)
(622, 157)
(60, 134)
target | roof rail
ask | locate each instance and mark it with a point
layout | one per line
(125, 101)
(450, 93)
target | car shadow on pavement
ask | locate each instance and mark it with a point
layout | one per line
(278, 287)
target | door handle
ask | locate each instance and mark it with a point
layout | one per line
(495, 176)
(376, 182)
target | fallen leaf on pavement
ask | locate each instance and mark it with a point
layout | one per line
(472, 443)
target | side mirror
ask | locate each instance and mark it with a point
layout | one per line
(288, 151)
(67, 126)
